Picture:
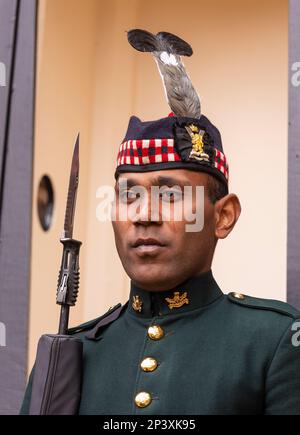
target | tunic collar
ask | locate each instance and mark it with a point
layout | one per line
(196, 292)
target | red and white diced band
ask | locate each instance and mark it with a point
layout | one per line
(150, 151)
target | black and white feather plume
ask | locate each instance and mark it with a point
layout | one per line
(167, 50)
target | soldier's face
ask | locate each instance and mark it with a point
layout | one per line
(160, 248)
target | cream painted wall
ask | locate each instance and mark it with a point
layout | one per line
(65, 76)
(89, 78)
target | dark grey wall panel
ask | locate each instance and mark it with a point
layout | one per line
(16, 205)
(8, 29)
(293, 260)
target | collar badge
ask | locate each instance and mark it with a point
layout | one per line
(178, 300)
(137, 304)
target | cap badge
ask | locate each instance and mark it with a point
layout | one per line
(137, 304)
(178, 300)
(197, 143)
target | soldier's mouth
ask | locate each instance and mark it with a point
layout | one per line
(149, 241)
(148, 246)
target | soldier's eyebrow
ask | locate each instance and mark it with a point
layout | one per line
(125, 183)
(160, 180)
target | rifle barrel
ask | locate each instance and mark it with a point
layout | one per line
(64, 319)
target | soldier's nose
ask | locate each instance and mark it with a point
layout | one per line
(148, 212)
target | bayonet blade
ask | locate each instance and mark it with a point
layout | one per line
(72, 193)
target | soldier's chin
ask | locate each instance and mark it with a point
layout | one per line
(151, 277)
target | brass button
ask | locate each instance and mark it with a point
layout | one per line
(149, 364)
(238, 296)
(143, 399)
(155, 332)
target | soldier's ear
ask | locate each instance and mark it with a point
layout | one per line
(227, 212)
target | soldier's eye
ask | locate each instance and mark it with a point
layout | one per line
(128, 196)
(170, 195)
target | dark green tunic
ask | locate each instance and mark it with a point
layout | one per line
(219, 354)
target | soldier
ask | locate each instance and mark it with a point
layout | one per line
(179, 345)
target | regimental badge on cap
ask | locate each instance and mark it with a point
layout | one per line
(197, 143)
(178, 300)
(137, 304)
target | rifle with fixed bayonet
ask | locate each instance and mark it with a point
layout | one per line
(57, 374)
(68, 280)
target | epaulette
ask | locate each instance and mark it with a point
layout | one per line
(91, 323)
(264, 304)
